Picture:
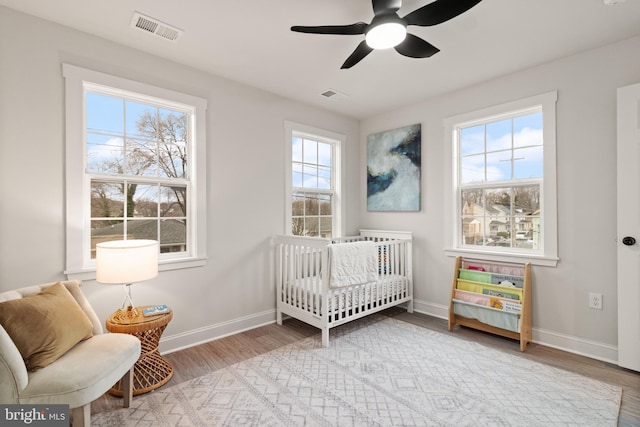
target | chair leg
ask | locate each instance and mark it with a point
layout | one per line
(81, 417)
(127, 388)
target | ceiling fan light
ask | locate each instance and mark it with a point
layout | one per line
(385, 36)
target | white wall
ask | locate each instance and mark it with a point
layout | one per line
(245, 177)
(586, 161)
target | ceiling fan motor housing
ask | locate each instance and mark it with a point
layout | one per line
(385, 31)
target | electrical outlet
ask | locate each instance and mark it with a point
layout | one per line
(595, 300)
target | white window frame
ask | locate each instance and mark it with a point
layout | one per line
(79, 264)
(338, 142)
(547, 255)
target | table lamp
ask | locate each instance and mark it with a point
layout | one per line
(123, 262)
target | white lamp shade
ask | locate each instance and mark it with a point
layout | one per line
(126, 261)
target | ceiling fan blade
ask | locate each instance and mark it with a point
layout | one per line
(415, 47)
(361, 51)
(386, 6)
(352, 29)
(439, 11)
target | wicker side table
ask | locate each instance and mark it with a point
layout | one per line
(151, 370)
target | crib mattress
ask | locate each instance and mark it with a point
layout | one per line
(300, 293)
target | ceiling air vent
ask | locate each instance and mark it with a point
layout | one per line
(332, 93)
(153, 26)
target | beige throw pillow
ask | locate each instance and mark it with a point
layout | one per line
(45, 326)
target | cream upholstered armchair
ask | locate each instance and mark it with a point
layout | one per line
(53, 350)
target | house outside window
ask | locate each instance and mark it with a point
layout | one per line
(313, 177)
(502, 187)
(135, 169)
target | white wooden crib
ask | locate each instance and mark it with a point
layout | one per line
(305, 291)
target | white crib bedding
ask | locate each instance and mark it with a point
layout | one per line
(300, 293)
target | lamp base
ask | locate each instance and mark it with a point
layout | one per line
(128, 309)
(126, 314)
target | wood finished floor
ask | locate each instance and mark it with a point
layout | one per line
(200, 360)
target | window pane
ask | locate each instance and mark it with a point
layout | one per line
(311, 206)
(104, 114)
(141, 158)
(142, 229)
(527, 130)
(499, 199)
(472, 169)
(499, 210)
(172, 126)
(297, 226)
(499, 135)
(105, 231)
(107, 200)
(144, 200)
(312, 225)
(173, 160)
(472, 140)
(296, 179)
(297, 208)
(324, 154)
(173, 201)
(499, 166)
(471, 201)
(527, 199)
(310, 176)
(325, 205)
(325, 227)
(142, 121)
(324, 177)
(296, 149)
(173, 235)
(471, 230)
(310, 151)
(527, 163)
(104, 153)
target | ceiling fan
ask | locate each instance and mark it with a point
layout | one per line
(388, 30)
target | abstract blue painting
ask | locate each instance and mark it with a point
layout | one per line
(393, 170)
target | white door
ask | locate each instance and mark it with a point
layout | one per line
(629, 227)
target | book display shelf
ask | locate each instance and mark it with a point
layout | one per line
(494, 297)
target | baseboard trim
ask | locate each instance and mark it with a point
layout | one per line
(583, 347)
(570, 344)
(171, 343)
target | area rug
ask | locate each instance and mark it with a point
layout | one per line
(378, 371)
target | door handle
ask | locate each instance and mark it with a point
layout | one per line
(628, 241)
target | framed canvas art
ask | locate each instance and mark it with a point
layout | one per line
(393, 170)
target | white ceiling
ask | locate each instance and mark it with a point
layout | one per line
(250, 41)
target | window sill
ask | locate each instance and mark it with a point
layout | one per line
(177, 264)
(546, 261)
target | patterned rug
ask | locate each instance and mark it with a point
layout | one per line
(378, 372)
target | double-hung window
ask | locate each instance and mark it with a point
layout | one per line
(133, 154)
(313, 177)
(503, 190)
